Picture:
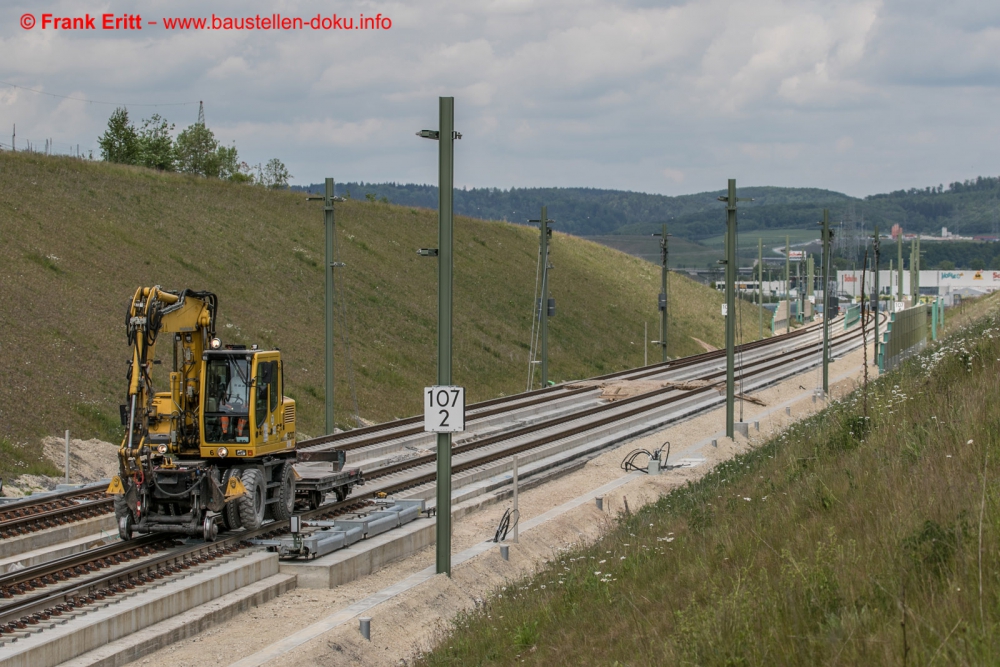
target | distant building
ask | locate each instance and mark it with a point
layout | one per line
(932, 283)
(897, 232)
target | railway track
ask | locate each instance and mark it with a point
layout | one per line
(395, 438)
(31, 597)
(52, 510)
(29, 514)
(603, 415)
(368, 435)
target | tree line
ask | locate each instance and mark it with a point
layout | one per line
(971, 207)
(195, 150)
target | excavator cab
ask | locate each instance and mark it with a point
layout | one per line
(227, 400)
(244, 414)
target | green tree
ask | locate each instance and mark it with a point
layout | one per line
(197, 151)
(229, 163)
(120, 142)
(155, 145)
(242, 173)
(946, 265)
(275, 174)
(977, 264)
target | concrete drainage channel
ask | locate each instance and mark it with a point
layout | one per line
(134, 625)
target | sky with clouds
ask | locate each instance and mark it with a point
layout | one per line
(859, 96)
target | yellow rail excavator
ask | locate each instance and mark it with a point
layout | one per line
(219, 447)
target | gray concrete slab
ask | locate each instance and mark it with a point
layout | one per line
(65, 639)
(188, 624)
(371, 555)
(49, 553)
(13, 546)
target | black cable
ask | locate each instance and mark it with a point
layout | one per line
(505, 524)
(182, 494)
(628, 463)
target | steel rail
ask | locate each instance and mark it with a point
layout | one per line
(24, 612)
(16, 508)
(56, 517)
(20, 582)
(516, 402)
(781, 360)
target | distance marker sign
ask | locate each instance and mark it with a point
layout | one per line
(444, 409)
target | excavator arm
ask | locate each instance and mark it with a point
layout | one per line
(189, 317)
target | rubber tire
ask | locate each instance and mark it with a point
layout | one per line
(231, 512)
(122, 511)
(284, 506)
(254, 502)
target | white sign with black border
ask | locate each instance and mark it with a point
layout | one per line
(444, 409)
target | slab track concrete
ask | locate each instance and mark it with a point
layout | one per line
(122, 616)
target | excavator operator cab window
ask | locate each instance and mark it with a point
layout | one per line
(267, 390)
(227, 400)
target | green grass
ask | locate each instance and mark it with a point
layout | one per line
(100, 423)
(22, 458)
(683, 253)
(114, 228)
(846, 540)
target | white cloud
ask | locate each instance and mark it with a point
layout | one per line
(607, 92)
(673, 175)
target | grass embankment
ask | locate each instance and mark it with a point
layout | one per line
(18, 459)
(840, 542)
(79, 237)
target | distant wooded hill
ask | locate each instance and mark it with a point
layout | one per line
(969, 208)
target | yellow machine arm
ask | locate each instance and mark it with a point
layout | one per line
(190, 317)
